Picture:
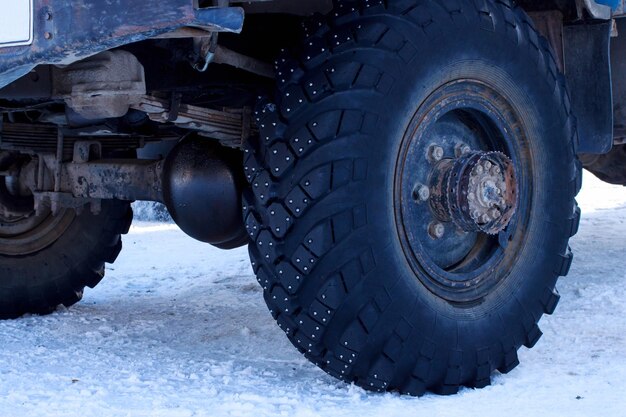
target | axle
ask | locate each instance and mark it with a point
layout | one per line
(199, 181)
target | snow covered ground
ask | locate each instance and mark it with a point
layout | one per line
(180, 329)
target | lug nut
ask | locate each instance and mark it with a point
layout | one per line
(435, 153)
(495, 213)
(421, 193)
(461, 149)
(436, 230)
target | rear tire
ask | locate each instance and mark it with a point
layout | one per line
(38, 281)
(340, 250)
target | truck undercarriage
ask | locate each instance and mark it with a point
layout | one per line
(392, 191)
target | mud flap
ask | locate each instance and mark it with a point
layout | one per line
(588, 73)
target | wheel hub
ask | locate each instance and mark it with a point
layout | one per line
(460, 197)
(22, 230)
(476, 191)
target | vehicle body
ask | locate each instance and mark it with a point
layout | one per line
(177, 101)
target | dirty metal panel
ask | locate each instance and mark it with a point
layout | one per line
(65, 31)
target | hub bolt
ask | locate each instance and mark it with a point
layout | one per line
(435, 153)
(436, 230)
(421, 193)
(461, 149)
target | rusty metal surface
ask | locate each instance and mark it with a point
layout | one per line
(102, 86)
(67, 31)
(229, 57)
(476, 191)
(34, 138)
(127, 180)
(231, 127)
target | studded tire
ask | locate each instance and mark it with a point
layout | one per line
(38, 282)
(320, 209)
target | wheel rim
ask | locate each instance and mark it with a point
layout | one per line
(461, 193)
(23, 231)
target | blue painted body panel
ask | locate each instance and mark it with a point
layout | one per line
(612, 3)
(68, 30)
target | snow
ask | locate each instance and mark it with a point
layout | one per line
(178, 328)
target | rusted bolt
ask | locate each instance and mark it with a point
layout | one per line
(461, 149)
(495, 214)
(47, 35)
(435, 153)
(436, 230)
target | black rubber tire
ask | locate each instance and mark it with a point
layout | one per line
(320, 208)
(37, 283)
